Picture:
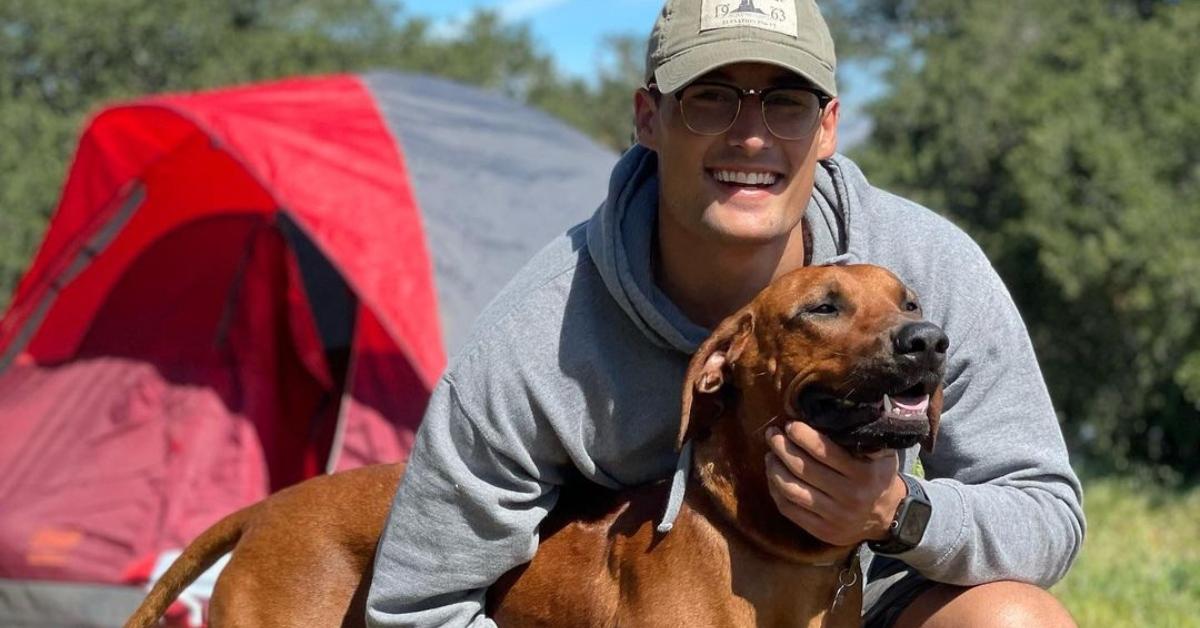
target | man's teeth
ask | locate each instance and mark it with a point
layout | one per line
(745, 178)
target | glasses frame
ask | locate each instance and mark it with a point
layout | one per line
(823, 100)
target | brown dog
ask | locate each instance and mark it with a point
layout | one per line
(842, 348)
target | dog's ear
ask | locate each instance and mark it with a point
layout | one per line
(935, 418)
(708, 370)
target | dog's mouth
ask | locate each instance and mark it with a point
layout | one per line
(870, 421)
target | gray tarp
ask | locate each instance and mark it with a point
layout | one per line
(495, 181)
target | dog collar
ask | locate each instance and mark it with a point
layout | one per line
(678, 486)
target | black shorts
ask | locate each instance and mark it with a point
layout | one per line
(891, 586)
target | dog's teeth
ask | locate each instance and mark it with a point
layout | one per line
(887, 405)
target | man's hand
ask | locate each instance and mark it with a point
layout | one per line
(836, 497)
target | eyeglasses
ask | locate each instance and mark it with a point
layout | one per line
(790, 113)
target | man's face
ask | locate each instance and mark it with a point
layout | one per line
(696, 194)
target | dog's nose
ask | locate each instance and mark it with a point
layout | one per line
(922, 340)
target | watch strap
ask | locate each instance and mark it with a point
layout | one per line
(894, 544)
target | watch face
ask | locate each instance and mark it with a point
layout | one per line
(912, 527)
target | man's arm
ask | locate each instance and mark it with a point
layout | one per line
(466, 512)
(1006, 503)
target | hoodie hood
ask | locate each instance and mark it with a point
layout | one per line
(621, 233)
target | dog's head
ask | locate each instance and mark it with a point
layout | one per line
(842, 348)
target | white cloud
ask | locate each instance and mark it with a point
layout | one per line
(509, 11)
(517, 10)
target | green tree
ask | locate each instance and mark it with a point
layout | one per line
(1065, 137)
(60, 60)
(603, 109)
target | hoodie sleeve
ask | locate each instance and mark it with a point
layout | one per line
(1006, 503)
(466, 512)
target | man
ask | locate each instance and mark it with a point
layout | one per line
(576, 367)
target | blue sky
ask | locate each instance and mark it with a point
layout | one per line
(573, 32)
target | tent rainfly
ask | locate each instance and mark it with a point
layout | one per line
(247, 287)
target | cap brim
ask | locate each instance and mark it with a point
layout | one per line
(699, 60)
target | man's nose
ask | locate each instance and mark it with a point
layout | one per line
(921, 341)
(749, 130)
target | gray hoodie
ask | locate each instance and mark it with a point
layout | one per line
(576, 367)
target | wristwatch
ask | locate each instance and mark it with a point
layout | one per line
(908, 526)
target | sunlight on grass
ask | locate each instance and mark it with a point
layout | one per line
(1140, 564)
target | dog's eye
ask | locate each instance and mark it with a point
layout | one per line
(823, 308)
(911, 306)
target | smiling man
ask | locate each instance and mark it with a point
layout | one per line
(575, 369)
(736, 186)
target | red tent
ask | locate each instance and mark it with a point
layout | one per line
(238, 291)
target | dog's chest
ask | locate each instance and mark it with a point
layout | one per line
(702, 575)
(618, 571)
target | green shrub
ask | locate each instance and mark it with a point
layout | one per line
(1140, 564)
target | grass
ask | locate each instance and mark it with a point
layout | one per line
(1140, 564)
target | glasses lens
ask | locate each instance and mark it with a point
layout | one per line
(709, 109)
(791, 113)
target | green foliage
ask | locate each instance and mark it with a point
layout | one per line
(604, 110)
(61, 60)
(1140, 564)
(1066, 138)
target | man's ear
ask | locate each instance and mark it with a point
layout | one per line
(827, 138)
(645, 117)
(935, 418)
(708, 372)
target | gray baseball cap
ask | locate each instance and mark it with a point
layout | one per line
(693, 37)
